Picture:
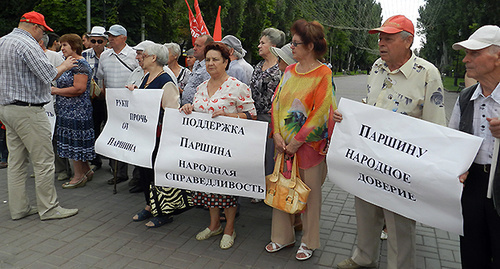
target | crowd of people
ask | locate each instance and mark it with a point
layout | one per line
(290, 89)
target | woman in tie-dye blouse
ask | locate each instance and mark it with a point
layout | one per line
(302, 112)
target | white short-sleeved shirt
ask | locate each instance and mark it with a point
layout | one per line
(233, 96)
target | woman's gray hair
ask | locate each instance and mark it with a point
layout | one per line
(277, 37)
(174, 48)
(160, 51)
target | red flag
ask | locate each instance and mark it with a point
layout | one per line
(197, 24)
(217, 28)
(201, 24)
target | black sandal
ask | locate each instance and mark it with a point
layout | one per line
(160, 221)
(143, 215)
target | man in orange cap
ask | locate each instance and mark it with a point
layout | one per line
(25, 77)
(404, 83)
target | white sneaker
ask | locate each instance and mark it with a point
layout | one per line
(59, 213)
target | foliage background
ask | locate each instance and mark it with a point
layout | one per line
(442, 22)
(345, 21)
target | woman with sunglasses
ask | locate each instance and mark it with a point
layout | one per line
(302, 122)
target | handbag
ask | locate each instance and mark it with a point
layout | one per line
(95, 90)
(286, 194)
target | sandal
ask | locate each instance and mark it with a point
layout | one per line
(143, 215)
(227, 241)
(159, 221)
(207, 233)
(274, 247)
(303, 249)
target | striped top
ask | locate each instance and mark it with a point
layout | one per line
(25, 70)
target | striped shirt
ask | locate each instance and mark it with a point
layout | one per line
(25, 70)
(112, 71)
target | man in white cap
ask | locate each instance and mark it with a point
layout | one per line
(25, 77)
(476, 109)
(235, 69)
(404, 83)
(115, 66)
(98, 40)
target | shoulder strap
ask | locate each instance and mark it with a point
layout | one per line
(121, 61)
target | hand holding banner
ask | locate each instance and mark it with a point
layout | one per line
(130, 132)
(217, 155)
(401, 163)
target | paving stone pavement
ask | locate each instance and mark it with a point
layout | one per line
(103, 234)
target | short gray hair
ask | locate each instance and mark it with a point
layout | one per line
(160, 51)
(493, 49)
(404, 35)
(45, 40)
(174, 48)
(277, 37)
(237, 54)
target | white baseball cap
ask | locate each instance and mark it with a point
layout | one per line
(482, 38)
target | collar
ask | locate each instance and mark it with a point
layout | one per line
(495, 95)
(24, 32)
(125, 51)
(405, 69)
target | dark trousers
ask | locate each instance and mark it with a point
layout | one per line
(99, 115)
(480, 245)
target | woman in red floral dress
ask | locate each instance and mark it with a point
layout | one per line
(221, 95)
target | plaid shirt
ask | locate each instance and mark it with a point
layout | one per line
(112, 71)
(198, 76)
(25, 70)
(93, 60)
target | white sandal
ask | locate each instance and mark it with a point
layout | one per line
(304, 250)
(227, 241)
(207, 233)
(274, 247)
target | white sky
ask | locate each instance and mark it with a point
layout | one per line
(409, 8)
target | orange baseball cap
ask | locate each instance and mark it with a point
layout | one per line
(395, 24)
(36, 18)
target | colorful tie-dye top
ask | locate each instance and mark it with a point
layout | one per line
(303, 106)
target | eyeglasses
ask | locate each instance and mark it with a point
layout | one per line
(99, 41)
(41, 27)
(293, 43)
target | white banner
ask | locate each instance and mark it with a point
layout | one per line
(217, 155)
(130, 132)
(51, 114)
(401, 163)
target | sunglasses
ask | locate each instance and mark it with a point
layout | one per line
(99, 41)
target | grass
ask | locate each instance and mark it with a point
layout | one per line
(448, 84)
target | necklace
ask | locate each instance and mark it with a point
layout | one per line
(307, 68)
(147, 83)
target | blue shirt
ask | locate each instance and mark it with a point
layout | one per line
(198, 76)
